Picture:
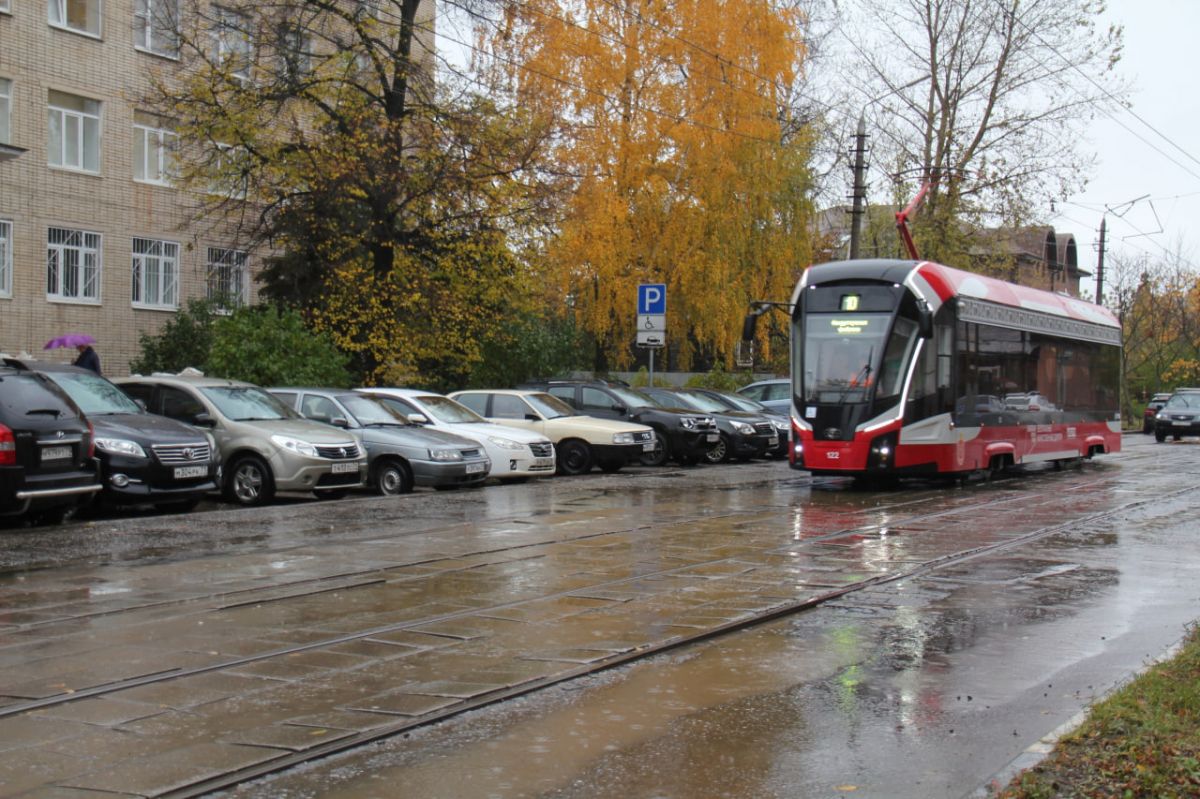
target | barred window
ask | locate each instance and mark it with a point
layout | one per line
(72, 265)
(226, 277)
(155, 26)
(155, 273)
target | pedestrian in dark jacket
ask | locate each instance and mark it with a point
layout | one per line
(88, 359)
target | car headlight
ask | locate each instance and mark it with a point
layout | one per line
(120, 446)
(623, 438)
(687, 423)
(781, 425)
(212, 447)
(743, 428)
(445, 455)
(295, 445)
(506, 443)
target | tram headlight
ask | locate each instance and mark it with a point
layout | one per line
(882, 450)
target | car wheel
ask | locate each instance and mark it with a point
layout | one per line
(719, 452)
(1160, 437)
(181, 506)
(249, 482)
(1178, 438)
(574, 457)
(657, 456)
(393, 478)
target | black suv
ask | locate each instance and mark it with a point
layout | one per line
(1179, 416)
(47, 464)
(685, 436)
(744, 434)
(145, 459)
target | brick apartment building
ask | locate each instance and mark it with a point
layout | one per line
(93, 236)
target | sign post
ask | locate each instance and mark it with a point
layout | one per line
(652, 319)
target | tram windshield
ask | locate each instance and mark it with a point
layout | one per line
(852, 357)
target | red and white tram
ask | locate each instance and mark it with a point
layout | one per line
(913, 368)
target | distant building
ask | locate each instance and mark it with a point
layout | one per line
(94, 236)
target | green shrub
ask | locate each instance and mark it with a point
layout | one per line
(270, 346)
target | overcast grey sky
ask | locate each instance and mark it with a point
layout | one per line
(1135, 161)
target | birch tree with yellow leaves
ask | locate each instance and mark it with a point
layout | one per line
(682, 157)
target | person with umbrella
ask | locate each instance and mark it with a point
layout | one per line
(82, 342)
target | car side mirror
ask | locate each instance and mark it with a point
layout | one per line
(203, 420)
(418, 418)
(141, 404)
(621, 409)
(532, 417)
(339, 421)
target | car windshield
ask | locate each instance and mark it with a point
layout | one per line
(703, 402)
(447, 411)
(631, 397)
(550, 406)
(247, 403)
(369, 411)
(1184, 401)
(742, 403)
(94, 394)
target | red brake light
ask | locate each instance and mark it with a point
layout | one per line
(8, 447)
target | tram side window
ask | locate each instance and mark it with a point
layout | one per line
(929, 393)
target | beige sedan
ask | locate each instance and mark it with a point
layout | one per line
(580, 442)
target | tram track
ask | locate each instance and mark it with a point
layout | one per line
(981, 501)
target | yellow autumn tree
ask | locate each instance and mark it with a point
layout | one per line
(686, 163)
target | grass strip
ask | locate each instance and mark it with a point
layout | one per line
(1142, 741)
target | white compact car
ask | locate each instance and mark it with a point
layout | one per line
(515, 454)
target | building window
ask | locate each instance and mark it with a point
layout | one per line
(6, 234)
(231, 43)
(4, 6)
(295, 54)
(155, 273)
(226, 277)
(153, 150)
(74, 125)
(81, 16)
(230, 175)
(155, 26)
(5, 110)
(73, 265)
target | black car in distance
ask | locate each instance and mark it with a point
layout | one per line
(1179, 416)
(743, 435)
(145, 459)
(47, 466)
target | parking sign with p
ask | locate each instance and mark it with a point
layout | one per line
(652, 299)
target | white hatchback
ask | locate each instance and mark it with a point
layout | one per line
(515, 454)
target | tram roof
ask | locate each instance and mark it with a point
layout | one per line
(938, 283)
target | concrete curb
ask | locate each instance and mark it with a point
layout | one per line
(1037, 752)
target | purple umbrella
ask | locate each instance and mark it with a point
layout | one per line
(69, 340)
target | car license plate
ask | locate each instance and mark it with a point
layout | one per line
(544, 461)
(648, 447)
(712, 437)
(345, 468)
(183, 472)
(55, 453)
(476, 468)
(1181, 424)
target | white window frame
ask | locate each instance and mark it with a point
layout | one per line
(6, 257)
(231, 41)
(155, 27)
(73, 127)
(73, 265)
(155, 268)
(225, 277)
(58, 14)
(157, 155)
(228, 158)
(4, 7)
(5, 109)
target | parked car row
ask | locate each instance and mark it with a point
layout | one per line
(70, 437)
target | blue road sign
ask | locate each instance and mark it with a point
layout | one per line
(652, 298)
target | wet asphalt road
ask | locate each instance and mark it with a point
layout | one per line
(915, 671)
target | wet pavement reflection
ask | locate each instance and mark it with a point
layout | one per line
(941, 619)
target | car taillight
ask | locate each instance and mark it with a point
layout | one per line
(91, 443)
(8, 447)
